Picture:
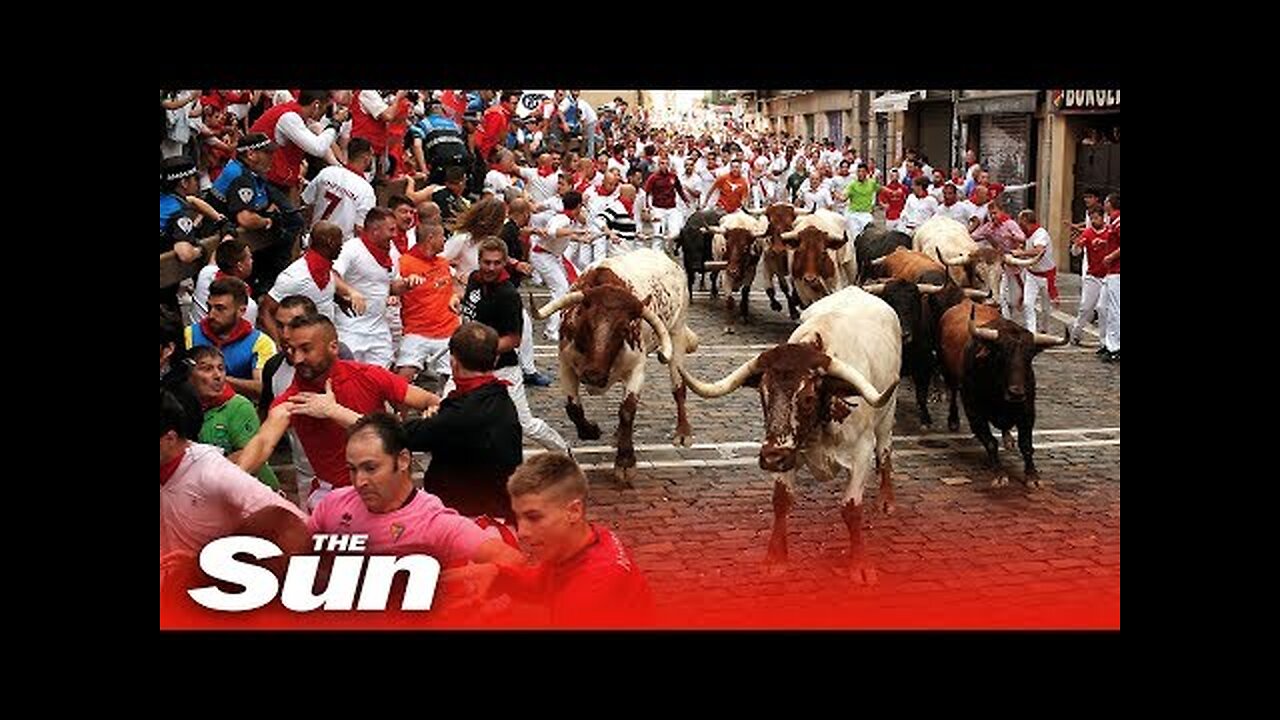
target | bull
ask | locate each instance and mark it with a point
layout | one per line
(776, 258)
(615, 315)
(876, 242)
(694, 245)
(971, 264)
(736, 243)
(989, 359)
(822, 264)
(829, 400)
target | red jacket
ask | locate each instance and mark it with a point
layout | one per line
(286, 161)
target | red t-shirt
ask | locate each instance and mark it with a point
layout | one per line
(360, 387)
(1095, 247)
(1113, 244)
(732, 192)
(600, 586)
(895, 198)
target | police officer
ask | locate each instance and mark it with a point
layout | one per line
(437, 143)
(254, 204)
(179, 220)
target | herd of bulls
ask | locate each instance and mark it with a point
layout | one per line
(891, 305)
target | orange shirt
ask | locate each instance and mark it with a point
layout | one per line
(732, 192)
(424, 310)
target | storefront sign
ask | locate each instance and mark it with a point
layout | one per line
(1085, 101)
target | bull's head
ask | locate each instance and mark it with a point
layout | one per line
(906, 299)
(598, 321)
(1006, 352)
(800, 387)
(811, 263)
(782, 219)
(742, 253)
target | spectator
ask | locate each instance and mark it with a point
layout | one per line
(229, 419)
(245, 348)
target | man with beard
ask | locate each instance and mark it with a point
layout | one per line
(245, 348)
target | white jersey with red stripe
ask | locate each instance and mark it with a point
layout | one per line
(341, 197)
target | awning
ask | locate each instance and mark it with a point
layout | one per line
(895, 101)
(999, 104)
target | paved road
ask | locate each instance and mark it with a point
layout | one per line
(956, 552)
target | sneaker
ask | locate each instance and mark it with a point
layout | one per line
(538, 380)
(1112, 357)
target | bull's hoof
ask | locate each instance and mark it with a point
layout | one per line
(775, 561)
(888, 506)
(795, 313)
(1033, 481)
(1009, 443)
(1000, 481)
(862, 572)
(728, 330)
(683, 438)
(589, 431)
(953, 425)
(774, 305)
(624, 477)
(926, 423)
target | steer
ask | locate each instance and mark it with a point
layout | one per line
(972, 264)
(737, 244)
(876, 242)
(615, 315)
(814, 269)
(694, 243)
(776, 260)
(989, 358)
(828, 396)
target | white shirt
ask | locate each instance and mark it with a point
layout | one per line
(497, 182)
(1040, 239)
(291, 128)
(296, 280)
(596, 202)
(462, 255)
(917, 210)
(691, 183)
(819, 199)
(362, 272)
(621, 167)
(960, 212)
(540, 188)
(838, 183)
(341, 197)
(547, 237)
(935, 192)
(373, 103)
(201, 297)
(208, 497)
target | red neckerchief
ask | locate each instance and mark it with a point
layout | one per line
(628, 204)
(1001, 218)
(226, 394)
(218, 275)
(584, 184)
(239, 332)
(168, 469)
(1032, 229)
(569, 214)
(321, 267)
(401, 240)
(543, 172)
(1113, 219)
(382, 256)
(470, 384)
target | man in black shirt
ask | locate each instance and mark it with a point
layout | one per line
(515, 233)
(449, 198)
(490, 298)
(474, 437)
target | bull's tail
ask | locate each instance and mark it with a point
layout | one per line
(690, 340)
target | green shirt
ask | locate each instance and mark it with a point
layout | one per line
(862, 195)
(230, 426)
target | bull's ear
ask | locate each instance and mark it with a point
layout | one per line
(791, 242)
(817, 342)
(833, 244)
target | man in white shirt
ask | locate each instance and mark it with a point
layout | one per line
(952, 207)
(233, 258)
(815, 195)
(368, 265)
(840, 180)
(919, 208)
(340, 194)
(312, 276)
(596, 199)
(548, 247)
(295, 139)
(1039, 278)
(541, 182)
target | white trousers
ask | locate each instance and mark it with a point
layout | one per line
(552, 271)
(526, 344)
(1111, 340)
(1091, 291)
(1009, 292)
(1033, 288)
(856, 222)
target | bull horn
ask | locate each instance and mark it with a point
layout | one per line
(981, 333)
(879, 261)
(714, 229)
(800, 211)
(927, 289)
(974, 294)
(726, 385)
(791, 235)
(874, 289)
(659, 328)
(849, 374)
(1009, 259)
(560, 303)
(955, 261)
(1045, 340)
